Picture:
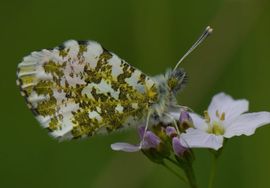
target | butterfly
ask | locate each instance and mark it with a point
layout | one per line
(80, 89)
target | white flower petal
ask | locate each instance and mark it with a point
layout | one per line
(247, 124)
(225, 103)
(198, 122)
(195, 138)
(125, 147)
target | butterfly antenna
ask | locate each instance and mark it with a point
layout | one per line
(204, 35)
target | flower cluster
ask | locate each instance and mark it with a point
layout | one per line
(224, 118)
(161, 139)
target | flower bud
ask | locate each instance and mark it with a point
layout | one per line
(150, 140)
(171, 132)
(185, 121)
(153, 146)
(178, 148)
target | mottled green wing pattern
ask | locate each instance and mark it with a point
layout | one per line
(80, 89)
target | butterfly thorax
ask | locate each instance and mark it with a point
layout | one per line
(168, 86)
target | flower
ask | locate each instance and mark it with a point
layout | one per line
(224, 118)
(150, 141)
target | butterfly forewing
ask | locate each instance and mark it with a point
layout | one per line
(80, 89)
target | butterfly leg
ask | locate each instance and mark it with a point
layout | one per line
(145, 129)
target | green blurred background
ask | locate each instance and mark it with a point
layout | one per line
(152, 35)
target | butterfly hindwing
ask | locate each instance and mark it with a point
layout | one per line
(79, 89)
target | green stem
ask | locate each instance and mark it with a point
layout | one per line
(173, 162)
(175, 173)
(190, 175)
(188, 169)
(213, 171)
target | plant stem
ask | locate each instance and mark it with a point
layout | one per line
(175, 173)
(190, 175)
(189, 172)
(173, 162)
(213, 171)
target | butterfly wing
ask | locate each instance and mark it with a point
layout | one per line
(80, 89)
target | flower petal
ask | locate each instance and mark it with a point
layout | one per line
(224, 103)
(198, 122)
(247, 124)
(195, 138)
(121, 146)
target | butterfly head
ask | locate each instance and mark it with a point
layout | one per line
(176, 80)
